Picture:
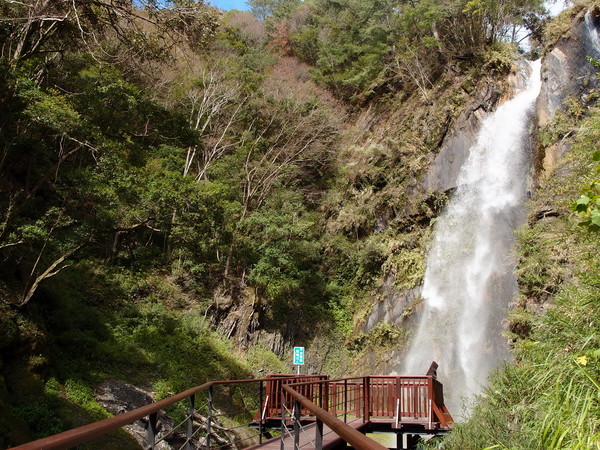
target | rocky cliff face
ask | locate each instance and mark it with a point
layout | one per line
(567, 73)
(443, 172)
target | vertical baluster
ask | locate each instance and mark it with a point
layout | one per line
(391, 395)
(398, 392)
(296, 424)
(431, 395)
(320, 402)
(345, 400)
(283, 427)
(260, 412)
(367, 395)
(380, 396)
(190, 422)
(416, 398)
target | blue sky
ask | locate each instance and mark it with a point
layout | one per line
(230, 4)
(224, 4)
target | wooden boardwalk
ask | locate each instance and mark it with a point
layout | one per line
(307, 437)
(407, 406)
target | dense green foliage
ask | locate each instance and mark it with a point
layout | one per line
(587, 206)
(129, 195)
(359, 48)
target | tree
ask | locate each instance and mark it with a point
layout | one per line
(285, 256)
(278, 9)
(361, 47)
(214, 101)
(280, 143)
(48, 28)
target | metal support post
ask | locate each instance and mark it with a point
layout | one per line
(400, 441)
(412, 441)
(151, 430)
(319, 435)
(283, 427)
(209, 416)
(296, 424)
(190, 423)
(260, 413)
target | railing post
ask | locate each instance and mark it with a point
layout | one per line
(190, 423)
(260, 413)
(320, 384)
(431, 395)
(209, 416)
(283, 427)
(345, 400)
(367, 397)
(326, 395)
(319, 435)
(296, 424)
(398, 401)
(151, 430)
(399, 440)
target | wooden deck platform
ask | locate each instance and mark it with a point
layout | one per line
(307, 438)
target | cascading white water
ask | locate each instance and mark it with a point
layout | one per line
(469, 280)
(592, 33)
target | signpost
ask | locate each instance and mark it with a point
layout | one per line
(298, 358)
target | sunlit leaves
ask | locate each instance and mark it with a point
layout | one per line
(587, 207)
(51, 110)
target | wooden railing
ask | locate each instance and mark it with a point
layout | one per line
(398, 399)
(274, 383)
(149, 414)
(395, 401)
(353, 437)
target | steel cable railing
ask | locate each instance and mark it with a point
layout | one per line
(195, 435)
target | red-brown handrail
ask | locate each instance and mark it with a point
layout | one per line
(358, 440)
(380, 400)
(94, 430)
(355, 438)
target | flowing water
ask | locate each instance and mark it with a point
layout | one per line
(592, 33)
(469, 280)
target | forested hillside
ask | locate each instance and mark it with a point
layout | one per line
(186, 194)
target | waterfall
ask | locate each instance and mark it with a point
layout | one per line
(592, 33)
(470, 280)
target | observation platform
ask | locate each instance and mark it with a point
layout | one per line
(308, 411)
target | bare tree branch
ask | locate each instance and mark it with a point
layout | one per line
(52, 270)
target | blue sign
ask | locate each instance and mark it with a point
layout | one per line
(299, 356)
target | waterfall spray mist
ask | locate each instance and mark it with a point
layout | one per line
(469, 280)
